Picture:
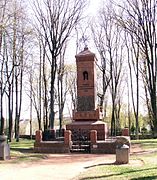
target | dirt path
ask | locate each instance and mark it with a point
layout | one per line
(57, 166)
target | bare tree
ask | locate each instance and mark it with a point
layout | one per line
(72, 85)
(45, 89)
(39, 75)
(139, 20)
(2, 30)
(62, 89)
(34, 94)
(110, 46)
(7, 67)
(21, 33)
(56, 21)
(13, 46)
(133, 51)
(99, 36)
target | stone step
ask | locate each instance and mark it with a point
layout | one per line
(80, 148)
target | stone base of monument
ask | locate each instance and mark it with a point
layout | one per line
(82, 144)
(82, 129)
(4, 148)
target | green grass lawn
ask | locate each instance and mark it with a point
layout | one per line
(22, 151)
(145, 169)
(22, 144)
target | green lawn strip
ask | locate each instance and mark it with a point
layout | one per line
(112, 172)
(146, 144)
(119, 172)
(22, 144)
(22, 151)
(147, 169)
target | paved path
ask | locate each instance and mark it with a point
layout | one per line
(59, 166)
(55, 167)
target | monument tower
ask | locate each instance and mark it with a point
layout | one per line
(87, 115)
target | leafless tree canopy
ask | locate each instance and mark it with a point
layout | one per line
(56, 20)
(33, 52)
(139, 20)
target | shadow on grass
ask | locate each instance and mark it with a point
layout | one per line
(145, 178)
(26, 159)
(23, 150)
(101, 164)
(25, 154)
(123, 173)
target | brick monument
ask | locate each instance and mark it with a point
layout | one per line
(87, 116)
(87, 132)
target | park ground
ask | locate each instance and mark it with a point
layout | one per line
(26, 165)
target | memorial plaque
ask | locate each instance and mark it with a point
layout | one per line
(85, 103)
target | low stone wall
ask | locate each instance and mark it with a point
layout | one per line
(102, 147)
(107, 146)
(110, 146)
(51, 147)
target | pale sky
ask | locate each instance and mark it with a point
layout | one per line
(94, 6)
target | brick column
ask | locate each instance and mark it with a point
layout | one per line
(38, 136)
(62, 131)
(93, 136)
(125, 132)
(67, 137)
(53, 133)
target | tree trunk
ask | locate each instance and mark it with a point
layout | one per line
(52, 99)
(10, 114)
(113, 123)
(52, 94)
(1, 111)
(16, 104)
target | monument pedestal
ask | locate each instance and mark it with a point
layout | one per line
(81, 129)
